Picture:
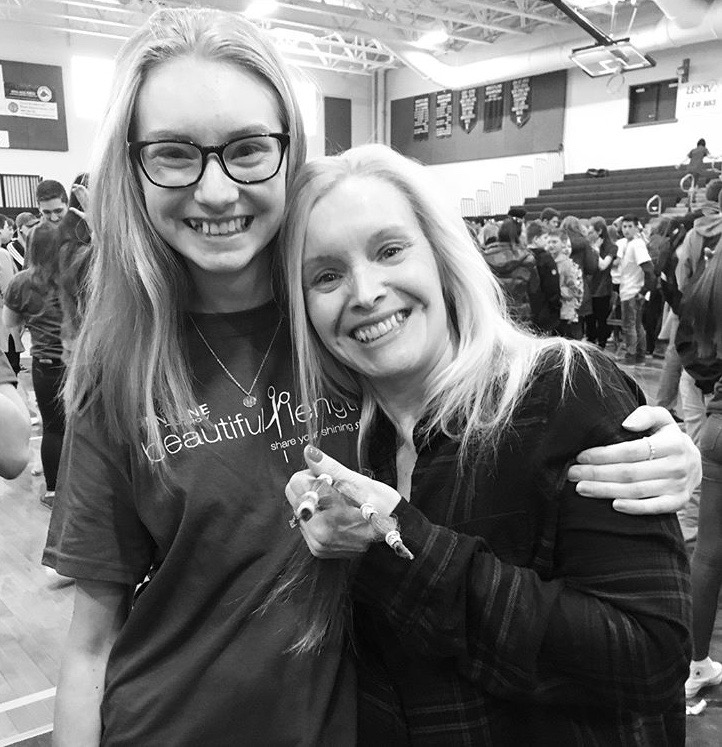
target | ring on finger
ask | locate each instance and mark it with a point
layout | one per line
(650, 446)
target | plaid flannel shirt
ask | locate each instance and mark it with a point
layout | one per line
(530, 615)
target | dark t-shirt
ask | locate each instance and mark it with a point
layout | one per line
(196, 663)
(41, 312)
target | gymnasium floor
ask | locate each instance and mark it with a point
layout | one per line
(35, 612)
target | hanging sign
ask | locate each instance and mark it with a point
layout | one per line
(444, 114)
(468, 108)
(19, 99)
(421, 117)
(520, 101)
(493, 107)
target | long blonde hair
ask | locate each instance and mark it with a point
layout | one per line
(472, 401)
(130, 353)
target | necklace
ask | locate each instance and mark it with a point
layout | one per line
(249, 400)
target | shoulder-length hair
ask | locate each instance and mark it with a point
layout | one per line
(474, 398)
(471, 401)
(130, 353)
(573, 227)
(600, 226)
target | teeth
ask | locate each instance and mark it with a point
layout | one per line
(220, 228)
(374, 331)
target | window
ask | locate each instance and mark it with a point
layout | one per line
(653, 102)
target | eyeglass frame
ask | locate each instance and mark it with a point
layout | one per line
(135, 147)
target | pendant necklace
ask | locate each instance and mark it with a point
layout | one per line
(249, 400)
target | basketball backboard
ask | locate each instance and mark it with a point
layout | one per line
(610, 59)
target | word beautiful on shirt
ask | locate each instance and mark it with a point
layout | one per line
(279, 414)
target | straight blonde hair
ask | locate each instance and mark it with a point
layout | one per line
(472, 401)
(130, 355)
(474, 398)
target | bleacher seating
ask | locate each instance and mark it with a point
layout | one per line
(620, 192)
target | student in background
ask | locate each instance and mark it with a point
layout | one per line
(600, 284)
(514, 267)
(32, 299)
(695, 164)
(24, 223)
(74, 263)
(571, 284)
(636, 278)
(545, 304)
(583, 255)
(550, 218)
(52, 200)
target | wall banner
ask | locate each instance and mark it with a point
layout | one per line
(444, 114)
(421, 117)
(468, 108)
(493, 107)
(699, 98)
(520, 101)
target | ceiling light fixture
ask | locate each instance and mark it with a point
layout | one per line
(260, 8)
(433, 38)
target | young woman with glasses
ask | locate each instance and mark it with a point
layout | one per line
(184, 421)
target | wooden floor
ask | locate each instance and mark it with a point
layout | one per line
(35, 612)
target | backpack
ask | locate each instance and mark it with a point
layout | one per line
(515, 270)
(706, 370)
(665, 266)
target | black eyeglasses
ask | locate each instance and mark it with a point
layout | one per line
(246, 160)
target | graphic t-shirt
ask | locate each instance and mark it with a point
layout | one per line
(196, 663)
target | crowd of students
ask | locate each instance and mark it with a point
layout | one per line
(242, 305)
(41, 288)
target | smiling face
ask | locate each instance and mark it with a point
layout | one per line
(220, 227)
(372, 286)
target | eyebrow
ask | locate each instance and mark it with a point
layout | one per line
(255, 128)
(394, 231)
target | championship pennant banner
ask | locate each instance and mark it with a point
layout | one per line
(444, 114)
(493, 107)
(468, 108)
(520, 101)
(421, 117)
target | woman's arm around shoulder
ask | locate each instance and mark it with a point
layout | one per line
(100, 611)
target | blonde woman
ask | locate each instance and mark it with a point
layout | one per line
(526, 614)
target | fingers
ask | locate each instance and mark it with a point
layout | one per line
(663, 504)
(628, 451)
(346, 481)
(646, 418)
(666, 441)
(628, 490)
(671, 468)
